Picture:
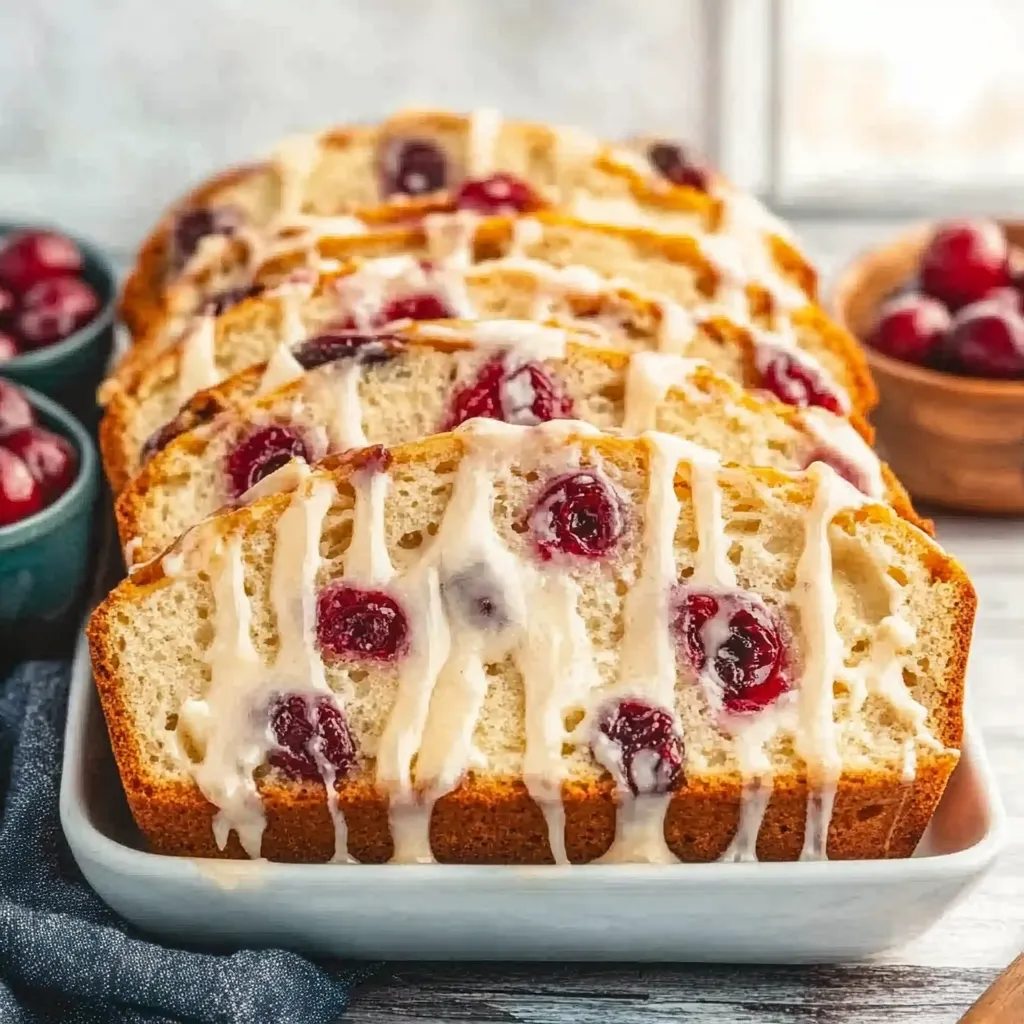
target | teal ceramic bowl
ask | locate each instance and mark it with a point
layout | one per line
(45, 559)
(71, 370)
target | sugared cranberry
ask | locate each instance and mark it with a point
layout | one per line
(674, 164)
(15, 411)
(20, 495)
(987, 340)
(51, 459)
(8, 347)
(729, 639)
(329, 348)
(414, 307)
(523, 394)
(28, 257)
(795, 382)
(415, 167)
(308, 733)
(8, 304)
(261, 452)
(355, 623)
(230, 297)
(964, 261)
(911, 327)
(53, 309)
(192, 226)
(640, 744)
(500, 194)
(578, 514)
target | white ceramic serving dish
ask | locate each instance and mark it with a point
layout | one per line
(779, 913)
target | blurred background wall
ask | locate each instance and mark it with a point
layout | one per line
(110, 108)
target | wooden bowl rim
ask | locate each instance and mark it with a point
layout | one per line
(849, 282)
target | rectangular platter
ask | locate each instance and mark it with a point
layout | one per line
(772, 913)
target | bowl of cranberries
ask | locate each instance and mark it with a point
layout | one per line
(940, 311)
(48, 485)
(56, 313)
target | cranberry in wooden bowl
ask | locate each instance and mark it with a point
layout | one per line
(940, 311)
(56, 313)
(48, 484)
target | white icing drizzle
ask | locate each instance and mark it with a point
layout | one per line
(647, 660)
(197, 368)
(677, 329)
(525, 339)
(526, 233)
(838, 436)
(282, 368)
(335, 389)
(232, 740)
(364, 293)
(649, 378)
(295, 159)
(481, 150)
(285, 479)
(450, 236)
(815, 598)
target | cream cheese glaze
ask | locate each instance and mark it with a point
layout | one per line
(442, 681)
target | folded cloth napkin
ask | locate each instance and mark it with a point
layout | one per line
(66, 957)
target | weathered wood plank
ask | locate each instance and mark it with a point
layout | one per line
(697, 993)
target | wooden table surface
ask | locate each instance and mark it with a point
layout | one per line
(932, 981)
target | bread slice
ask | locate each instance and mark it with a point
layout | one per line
(419, 380)
(336, 181)
(519, 645)
(554, 280)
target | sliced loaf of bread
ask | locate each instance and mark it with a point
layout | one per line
(347, 391)
(351, 179)
(519, 645)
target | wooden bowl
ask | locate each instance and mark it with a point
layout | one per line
(955, 441)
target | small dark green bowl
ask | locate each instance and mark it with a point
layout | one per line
(70, 370)
(45, 559)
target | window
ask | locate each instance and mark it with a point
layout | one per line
(879, 104)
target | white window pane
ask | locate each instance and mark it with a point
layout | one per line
(900, 95)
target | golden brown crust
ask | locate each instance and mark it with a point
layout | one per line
(143, 302)
(494, 821)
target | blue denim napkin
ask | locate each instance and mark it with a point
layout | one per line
(65, 957)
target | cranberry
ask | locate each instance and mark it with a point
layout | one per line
(795, 382)
(224, 300)
(192, 226)
(577, 514)
(523, 394)
(415, 307)
(1010, 296)
(305, 728)
(261, 452)
(964, 261)
(20, 495)
(55, 308)
(51, 459)
(987, 340)
(8, 347)
(28, 257)
(728, 637)
(360, 623)
(8, 304)
(640, 743)
(328, 348)
(674, 164)
(15, 411)
(474, 595)
(911, 327)
(414, 167)
(500, 194)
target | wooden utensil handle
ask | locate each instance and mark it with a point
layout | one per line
(1003, 1001)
